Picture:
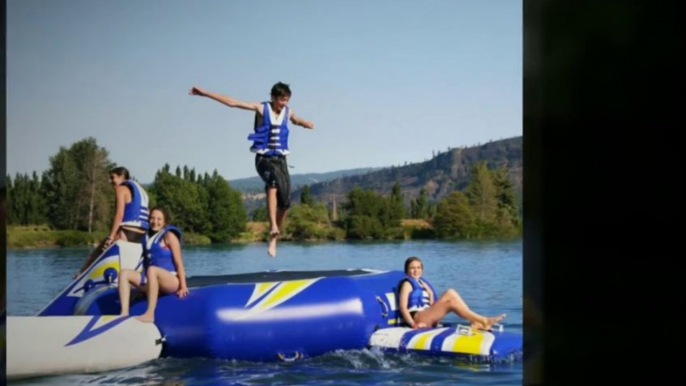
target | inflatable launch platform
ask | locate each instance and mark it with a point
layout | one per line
(264, 316)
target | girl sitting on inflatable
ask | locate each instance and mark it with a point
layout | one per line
(163, 269)
(419, 308)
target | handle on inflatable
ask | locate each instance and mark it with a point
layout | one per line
(286, 359)
(384, 311)
(466, 330)
(463, 330)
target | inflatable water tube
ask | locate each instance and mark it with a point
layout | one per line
(263, 316)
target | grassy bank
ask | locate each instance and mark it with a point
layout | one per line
(409, 229)
(41, 236)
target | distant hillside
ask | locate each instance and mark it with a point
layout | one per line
(255, 184)
(446, 172)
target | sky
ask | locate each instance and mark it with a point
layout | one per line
(385, 82)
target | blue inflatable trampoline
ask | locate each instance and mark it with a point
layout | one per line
(274, 315)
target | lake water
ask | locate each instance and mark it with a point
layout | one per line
(488, 275)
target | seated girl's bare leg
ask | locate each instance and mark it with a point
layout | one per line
(450, 300)
(462, 309)
(162, 280)
(126, 278)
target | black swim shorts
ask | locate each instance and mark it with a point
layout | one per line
(132, 236)
(274, 172)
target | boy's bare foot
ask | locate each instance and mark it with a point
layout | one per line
(273, 235)
(146, 318)
(122, 314)
(272, 246)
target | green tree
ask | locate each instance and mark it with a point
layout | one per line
(308, 221)
(186, 201)
(481, 192)
(363, 202)
(16, 200)
(364, 227)
(96, 191)
(396, 207)
(422, 211)
(454, 217)
(36, 208)
(19, 196)
(61, 187)
(192, 175)
(76, 187)
(507, 220)
(419, 206)
(12, 216)
(305, 197)
(226, 212)
(364, 208)
(431, 210)
(260, 214)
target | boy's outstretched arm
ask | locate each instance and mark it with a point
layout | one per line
(231, 102)
(301, 122)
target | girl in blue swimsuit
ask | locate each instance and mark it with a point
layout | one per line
(419, 308)
(163, 269)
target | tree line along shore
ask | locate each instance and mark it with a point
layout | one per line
(72, 203)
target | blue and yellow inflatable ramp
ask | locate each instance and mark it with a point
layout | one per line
(449, 340)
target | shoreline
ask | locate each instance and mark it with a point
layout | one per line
(41, 236)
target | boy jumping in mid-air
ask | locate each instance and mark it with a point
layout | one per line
(270, 143)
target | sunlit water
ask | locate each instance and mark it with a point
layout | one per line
(488, 275)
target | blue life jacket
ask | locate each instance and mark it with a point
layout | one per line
(156, 255)
(136, 212)
(419, 298)
(271, 137)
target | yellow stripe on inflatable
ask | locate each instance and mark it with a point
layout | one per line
(284, 292)
(468, 344)
(98, 273)
(423, 340)
(261, 289)
(104, 319)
